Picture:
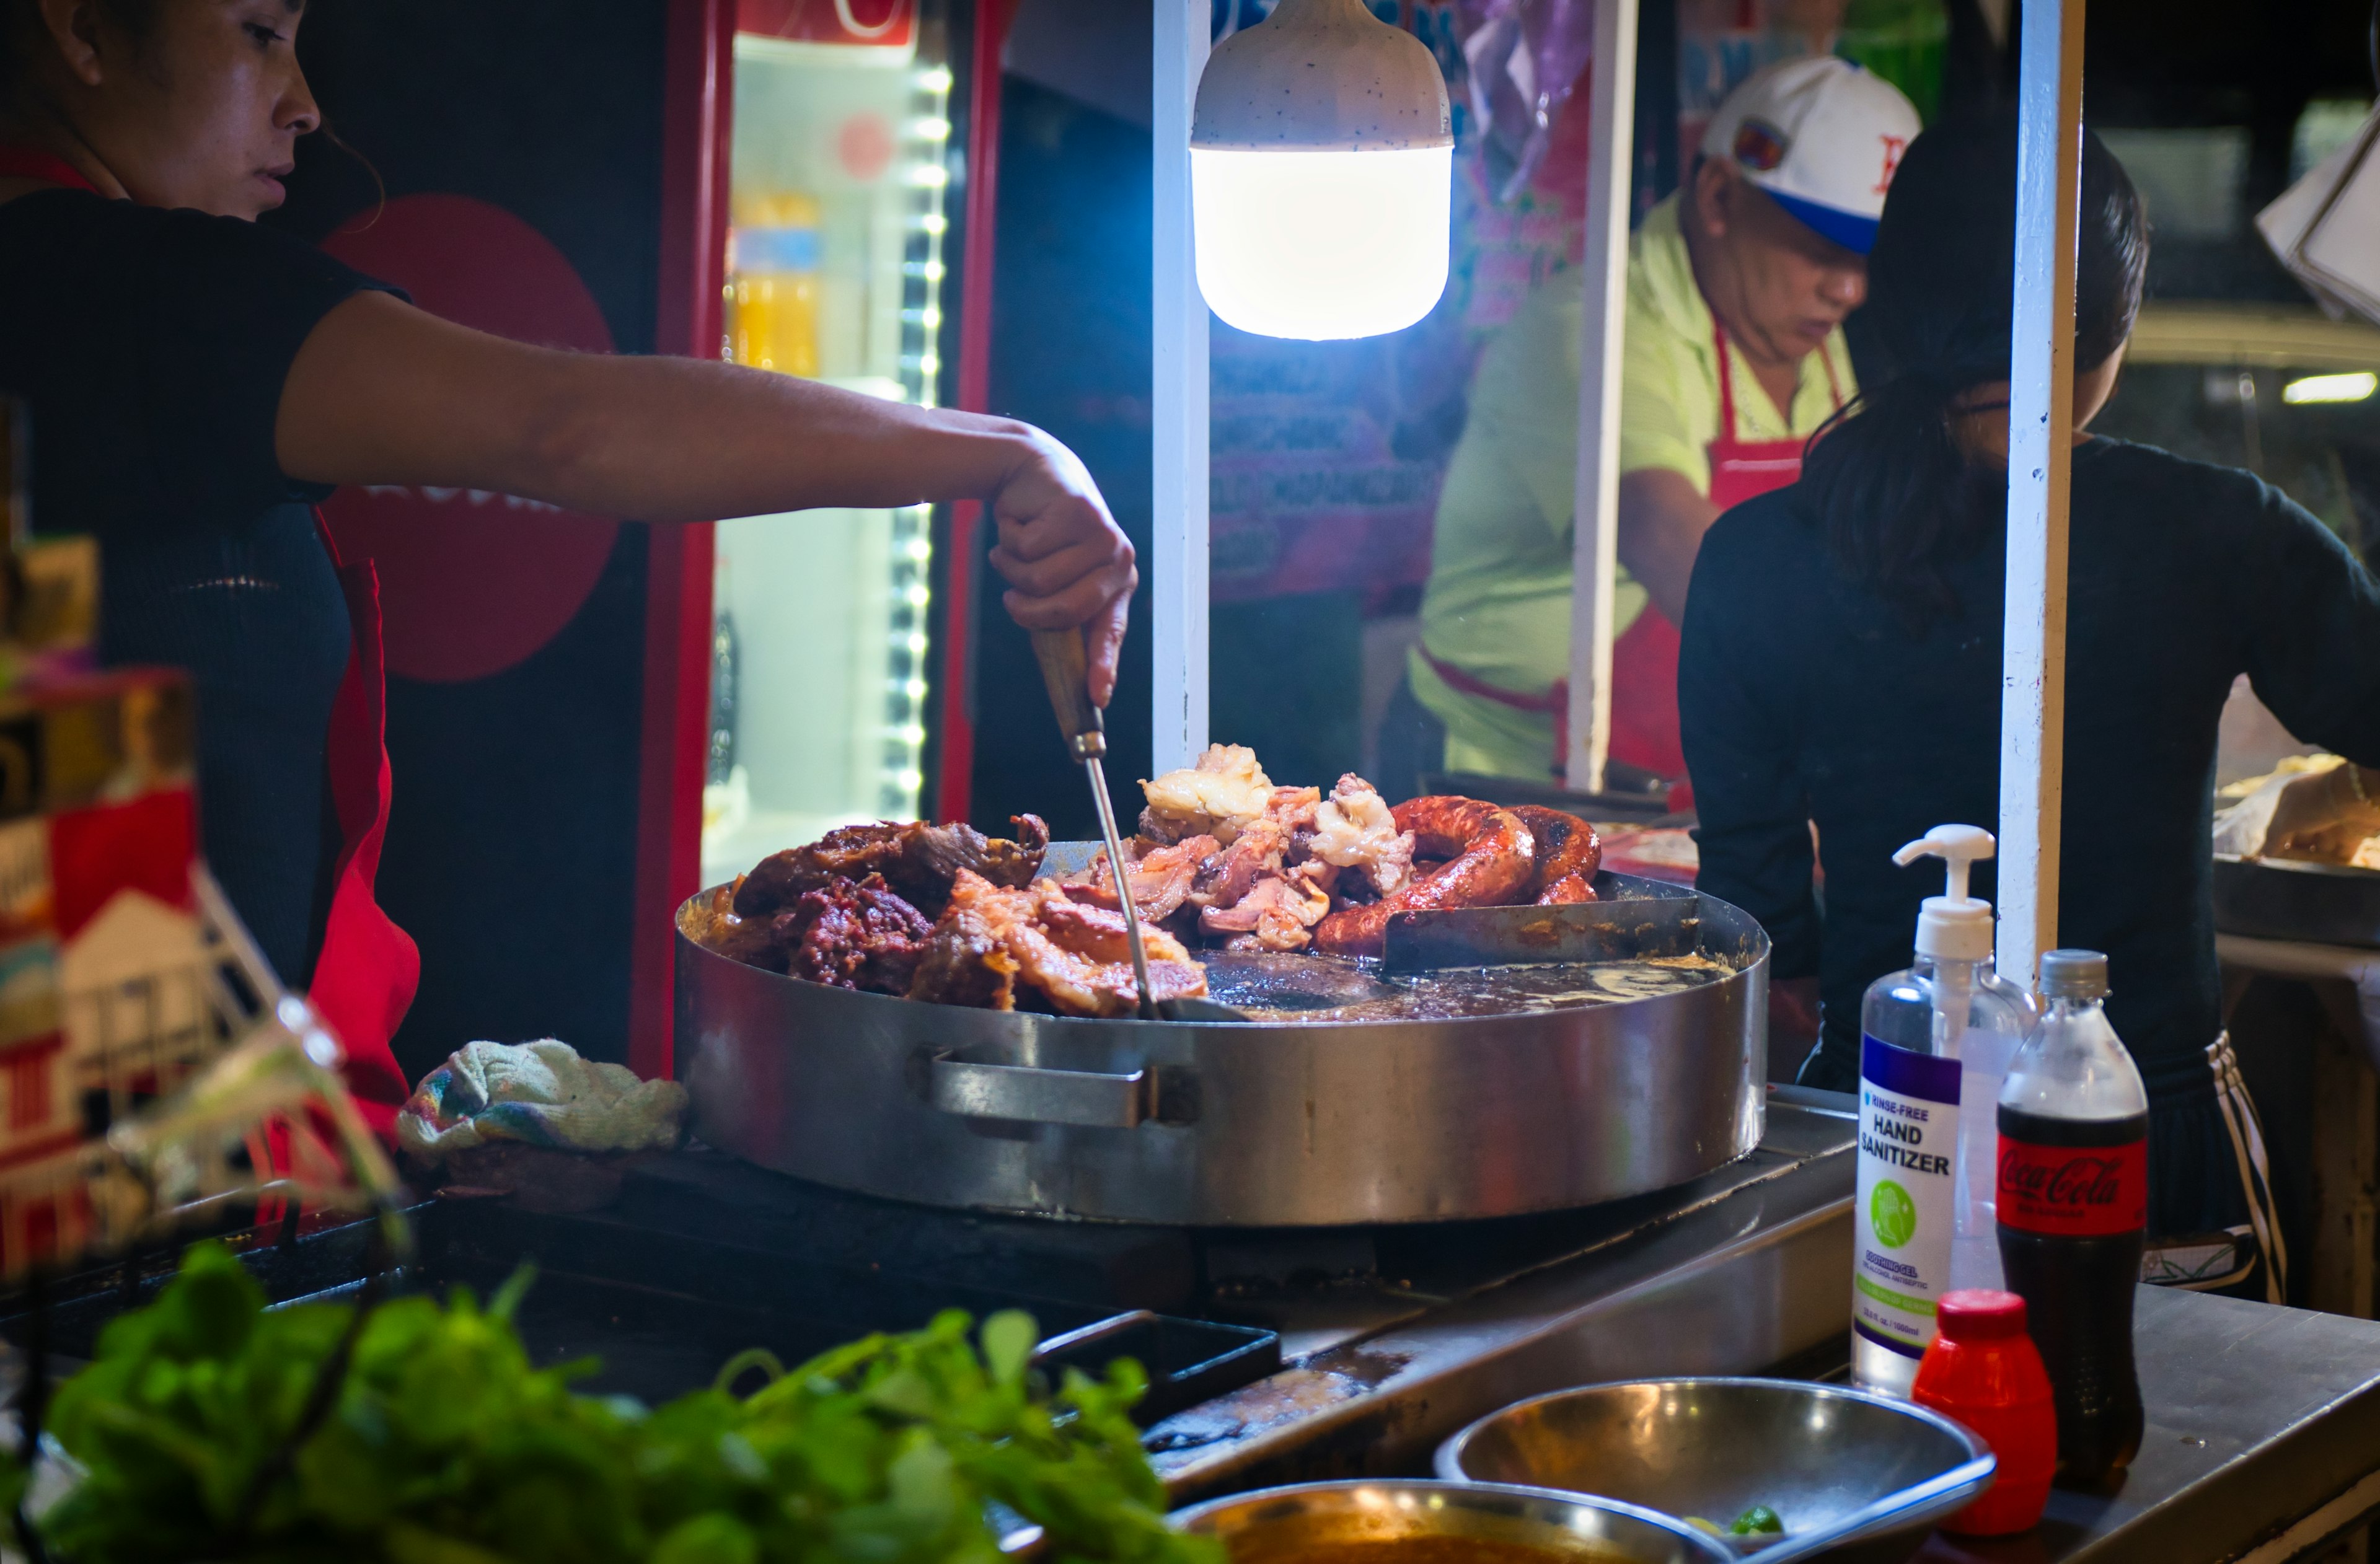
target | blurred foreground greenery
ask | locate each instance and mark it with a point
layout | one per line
(445, 1446)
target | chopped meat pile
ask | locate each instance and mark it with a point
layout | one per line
(853, 934)
(1218, 797)
(853, 909)
(946, 914)
(917, 861)
(835, 912)
(1257, 865)
(992, 940)
(1161, 877)
(856, 936)
(1354, 830)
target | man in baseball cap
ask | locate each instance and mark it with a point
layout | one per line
(1738, 286)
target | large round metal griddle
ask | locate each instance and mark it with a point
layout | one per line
(2282, 899)
(1262, 1125)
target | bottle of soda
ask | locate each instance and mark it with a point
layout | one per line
(2073, 1210)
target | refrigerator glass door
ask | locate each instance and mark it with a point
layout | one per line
(842, 133)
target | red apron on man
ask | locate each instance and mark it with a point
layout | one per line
(1644, 659)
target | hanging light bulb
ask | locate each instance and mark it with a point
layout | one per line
(1321, 173)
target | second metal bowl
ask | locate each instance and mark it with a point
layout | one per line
(1855, 1475)
(1282, 1525)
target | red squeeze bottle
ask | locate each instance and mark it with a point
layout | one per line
(1985, 1371)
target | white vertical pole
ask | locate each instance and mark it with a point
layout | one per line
(2041, 449)
(1177, 564)
(1595, 529)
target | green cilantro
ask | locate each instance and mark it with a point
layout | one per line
(444, 1444)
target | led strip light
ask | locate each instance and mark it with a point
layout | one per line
(902, 779)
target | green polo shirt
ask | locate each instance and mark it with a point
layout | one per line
(1498, 603)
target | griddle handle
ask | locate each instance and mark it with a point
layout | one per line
(1032, 1094)
(1066, 671)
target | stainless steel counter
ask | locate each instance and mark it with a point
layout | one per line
(2263, 1444)
(1731, 1274)
(2264, 1437)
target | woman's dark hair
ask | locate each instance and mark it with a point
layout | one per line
(1891, 490)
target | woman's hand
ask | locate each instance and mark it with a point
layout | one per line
(1066, 561)
(2321, 817)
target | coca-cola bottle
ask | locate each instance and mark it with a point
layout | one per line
(2073, 1210)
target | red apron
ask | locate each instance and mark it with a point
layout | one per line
(369, 968)
(365, 978)
(25, 162)
(1644, 659)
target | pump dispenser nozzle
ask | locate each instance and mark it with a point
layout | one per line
(1954, 925)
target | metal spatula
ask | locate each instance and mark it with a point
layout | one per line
(1066, 671)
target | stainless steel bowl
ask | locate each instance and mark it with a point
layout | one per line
(1278, 1526)
(1852, 1475)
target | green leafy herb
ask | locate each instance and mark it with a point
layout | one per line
(447, 1445)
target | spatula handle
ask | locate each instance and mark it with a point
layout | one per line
(1066, 670)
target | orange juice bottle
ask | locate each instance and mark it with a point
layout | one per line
(772, 288)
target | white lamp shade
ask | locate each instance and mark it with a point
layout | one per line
(1321, 244)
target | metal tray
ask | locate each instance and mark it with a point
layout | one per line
(2279, 899)
(661, 1312)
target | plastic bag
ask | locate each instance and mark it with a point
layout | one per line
(1526, 59)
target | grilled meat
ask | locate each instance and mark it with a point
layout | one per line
(1490, 858)
(1274, 916)
(963, 964)
(1215, 797)
(1074, 956)
(853, 935)
(1563, 893)
(1355, 829)
(1161, 877)
(1568, 853)
(1228, 876)
(917, 861)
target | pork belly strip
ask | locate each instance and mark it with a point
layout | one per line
(1075, 955)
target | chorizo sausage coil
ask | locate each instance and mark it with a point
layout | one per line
(1490, 858)
(1568, 853)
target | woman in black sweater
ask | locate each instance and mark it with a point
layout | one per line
(1841, 661)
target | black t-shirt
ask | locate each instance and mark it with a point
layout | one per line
(152, 347)
(1802, 699)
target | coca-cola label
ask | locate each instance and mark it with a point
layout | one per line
(1905, 1211)
(2074, 1191)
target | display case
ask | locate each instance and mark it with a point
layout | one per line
(842, 163)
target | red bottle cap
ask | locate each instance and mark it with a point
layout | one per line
(1979, 1313)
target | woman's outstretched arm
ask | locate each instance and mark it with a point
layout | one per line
(383, 392)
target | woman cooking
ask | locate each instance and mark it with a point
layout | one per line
(1841, 661)
(198, 382)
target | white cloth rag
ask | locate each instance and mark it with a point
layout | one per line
(540, 1093)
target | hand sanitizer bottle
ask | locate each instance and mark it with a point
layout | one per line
(1935, 1040)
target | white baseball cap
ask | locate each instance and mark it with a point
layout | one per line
(1822, 137)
